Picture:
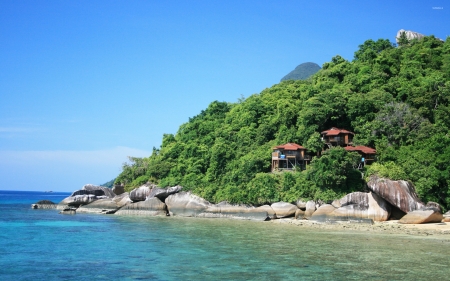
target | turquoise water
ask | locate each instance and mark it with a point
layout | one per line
(44, 245)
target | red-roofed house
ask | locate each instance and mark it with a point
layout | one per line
(367, 153)
(289, 155)
(337, 137)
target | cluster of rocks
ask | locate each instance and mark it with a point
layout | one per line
(386, 200)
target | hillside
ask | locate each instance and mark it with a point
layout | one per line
(395, 99)
(302, 71)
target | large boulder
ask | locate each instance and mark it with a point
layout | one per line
(310, 209)
(446, 217)
(400, 194)
(270, 212)
(422, 216)
(360, 205)
(186, 204)
(141, 193)
(242, 212)
(151, 207)
(301, 204)
(356, 206)
(323, 213)
(284, 209)
(163, 193)
(44, 204)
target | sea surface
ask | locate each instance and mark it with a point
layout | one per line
(45, 245)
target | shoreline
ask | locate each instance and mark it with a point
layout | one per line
(440, 230)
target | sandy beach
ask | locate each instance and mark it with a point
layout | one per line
(388, 227)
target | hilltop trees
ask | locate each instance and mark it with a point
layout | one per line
(394, 99)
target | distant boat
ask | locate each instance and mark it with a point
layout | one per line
(48, 191)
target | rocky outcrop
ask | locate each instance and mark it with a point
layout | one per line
(44, 204)
(163, 193)
(310, 209)
(422, 216)
(410, 35)
(118, 189)
(400, 194)
(141, 193)
(88, 194)
(151, 207)
(242, 212)
(186, 204)
(284, 209)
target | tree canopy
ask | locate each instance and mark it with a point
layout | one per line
(395, 99)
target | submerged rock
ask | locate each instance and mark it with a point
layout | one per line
(150, 207)
(284, 209)
(186, 204)
(400, 194)
(68, 211)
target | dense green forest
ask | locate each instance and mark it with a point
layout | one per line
(395, 99)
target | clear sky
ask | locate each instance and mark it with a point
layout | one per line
(83, 84)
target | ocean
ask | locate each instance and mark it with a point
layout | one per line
(45, 245)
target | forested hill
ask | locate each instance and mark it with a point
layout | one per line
(395, 98)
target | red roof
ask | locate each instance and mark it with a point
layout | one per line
(335, 131)
(363, 149)
(289, 146)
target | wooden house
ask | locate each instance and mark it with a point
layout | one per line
(367, 153)
(337, 137)
(288, 156)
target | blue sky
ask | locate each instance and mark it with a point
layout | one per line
(83, 84)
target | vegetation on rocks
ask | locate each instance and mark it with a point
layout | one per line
(395, 99)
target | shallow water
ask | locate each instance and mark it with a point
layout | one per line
(44, 245)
